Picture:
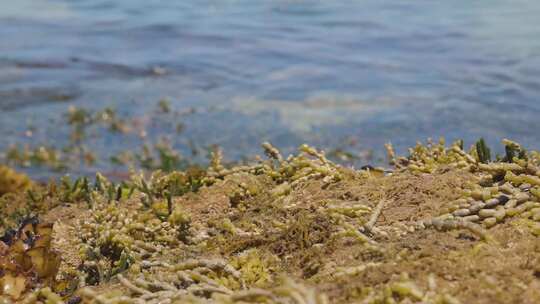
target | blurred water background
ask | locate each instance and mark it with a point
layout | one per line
(348, 75)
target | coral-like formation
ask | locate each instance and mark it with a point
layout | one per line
(444, 225)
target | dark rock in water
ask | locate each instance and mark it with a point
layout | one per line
(16, 98)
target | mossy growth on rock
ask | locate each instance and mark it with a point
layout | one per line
(442, 225)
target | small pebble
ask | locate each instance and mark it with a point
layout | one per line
(526, 214)
(471, 218)
(476, 206)
(521, 197)
(489, 222)
(510, 204)
(485, 213)
(525, 187)
(500, 214)
(461, 212)
(490, 203)
(507, 188)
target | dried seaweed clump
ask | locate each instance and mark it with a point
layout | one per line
(12, 181)
(26, 259)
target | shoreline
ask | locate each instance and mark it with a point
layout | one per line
(445, 225)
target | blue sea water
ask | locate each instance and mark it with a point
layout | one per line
(329, 73)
